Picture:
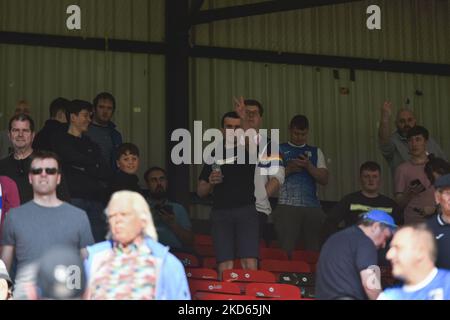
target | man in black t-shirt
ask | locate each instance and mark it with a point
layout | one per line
(234, 219)
(353, 205)
(347, 267)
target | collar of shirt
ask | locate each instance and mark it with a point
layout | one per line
(131, 248)
(422, 284)
(441, 220)
(296, 146)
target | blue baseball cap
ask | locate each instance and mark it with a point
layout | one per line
(382, 217)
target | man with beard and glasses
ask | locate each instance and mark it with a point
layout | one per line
(171, 219)
(394, 147)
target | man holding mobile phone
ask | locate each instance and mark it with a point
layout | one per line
(171, 219)
(299, 215)
(413, 191)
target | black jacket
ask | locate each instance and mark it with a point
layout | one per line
(84, 168)
(124, 181)
(45, 139)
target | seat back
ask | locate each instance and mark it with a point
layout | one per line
(272, 253)
(274, 291)
(241, 275)
(310, 257)
(210, 262)
(196, 285)
(221, 296)
(188, 260)
(279, 266)
(204, 250)
(203, 240)
(201, 273)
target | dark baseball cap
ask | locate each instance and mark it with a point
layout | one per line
(442, 182)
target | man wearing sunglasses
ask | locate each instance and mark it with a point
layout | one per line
(35, 227)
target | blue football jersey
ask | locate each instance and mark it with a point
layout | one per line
(436, 289)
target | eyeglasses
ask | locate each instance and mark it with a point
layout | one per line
(49, 171)
(252, 113)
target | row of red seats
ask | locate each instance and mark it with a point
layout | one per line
(202, 290)
(203, 246)
(206, 280)
(273, 265)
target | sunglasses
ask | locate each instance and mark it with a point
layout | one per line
(49, 171)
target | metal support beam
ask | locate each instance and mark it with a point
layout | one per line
(177, 93)
(226, 53)
(266, 7)
(45, 40)
(320, 60)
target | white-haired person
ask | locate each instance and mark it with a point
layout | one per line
(132, 265)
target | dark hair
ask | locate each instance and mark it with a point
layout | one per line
(369, 166)
(59, 104)
(437, 165)
(252, 102)
(417, 131)
(21, 117)
(230, 114)
(76, 106)
(43, 154)
(151, 170)
(299, 122)
(127, 147)
(104, 96)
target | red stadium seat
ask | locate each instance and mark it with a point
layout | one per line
(279, 266)
(221, 296)
(188, 260)
(241, 275)
(213, 286)
(204, 250)
(210, 262)
(273, 253)
(310, 257)
(274, 291)
(262, 244)
(203, 240)
(201, 273)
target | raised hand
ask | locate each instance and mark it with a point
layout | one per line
(239, 107)
(386, 110)
(215, 177)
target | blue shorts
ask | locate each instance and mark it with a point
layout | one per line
(235, 233)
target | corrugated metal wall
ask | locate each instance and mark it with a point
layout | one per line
(136, 80)
(343, 126)
(412, 30)
(141, 20)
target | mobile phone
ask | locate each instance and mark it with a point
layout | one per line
(417, 183)
(304, 155)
